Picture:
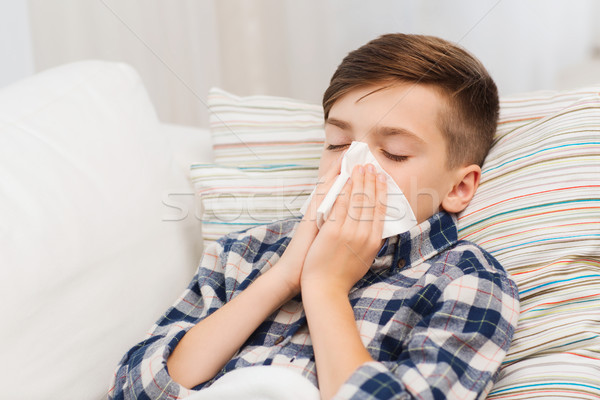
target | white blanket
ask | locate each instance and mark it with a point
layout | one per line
(259, 383)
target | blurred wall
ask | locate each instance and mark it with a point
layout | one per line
(171, 44)
(291, 48)
(16, 51)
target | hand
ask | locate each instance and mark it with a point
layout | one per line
(348, 241)
(295, 253)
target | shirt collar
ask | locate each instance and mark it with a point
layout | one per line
(418, 244)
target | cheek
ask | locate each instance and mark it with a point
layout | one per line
(416, 188)
(326, 159)
(400, 172)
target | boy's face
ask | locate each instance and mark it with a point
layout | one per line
(400, 125)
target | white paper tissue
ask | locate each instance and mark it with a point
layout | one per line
(399, 216)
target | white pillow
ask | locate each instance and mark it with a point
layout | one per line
(255, 130)
(89, 260)
(237, 198)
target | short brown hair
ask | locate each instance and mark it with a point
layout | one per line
(470, 120)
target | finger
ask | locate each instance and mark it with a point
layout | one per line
(356, 198)
(380, 204)
(369, 199)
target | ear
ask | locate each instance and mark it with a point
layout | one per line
(464, 186)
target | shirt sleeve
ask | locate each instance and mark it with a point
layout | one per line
(455, 350)
(142, 372)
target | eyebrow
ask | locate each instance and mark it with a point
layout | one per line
(382, 130)
(339, 123)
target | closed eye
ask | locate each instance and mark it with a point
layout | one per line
(334, 147)
(394, 157)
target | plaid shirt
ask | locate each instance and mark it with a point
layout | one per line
(437, 315)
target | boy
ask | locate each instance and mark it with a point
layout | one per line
(419, 315)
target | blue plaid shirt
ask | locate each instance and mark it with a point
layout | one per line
(437, 315)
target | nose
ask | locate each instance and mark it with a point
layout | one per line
(371, 147)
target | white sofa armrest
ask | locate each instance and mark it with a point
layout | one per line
(88, 259)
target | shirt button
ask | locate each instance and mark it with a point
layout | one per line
(279, 340)
(401, 263)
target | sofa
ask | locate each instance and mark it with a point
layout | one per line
(105, 211)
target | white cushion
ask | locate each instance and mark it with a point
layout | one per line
(266, 153)
(257, 130)
(89, 260)
(237, 198)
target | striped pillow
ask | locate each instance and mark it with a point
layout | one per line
(258, 130)
(538, 212)
(237, 198)
(519, 110)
